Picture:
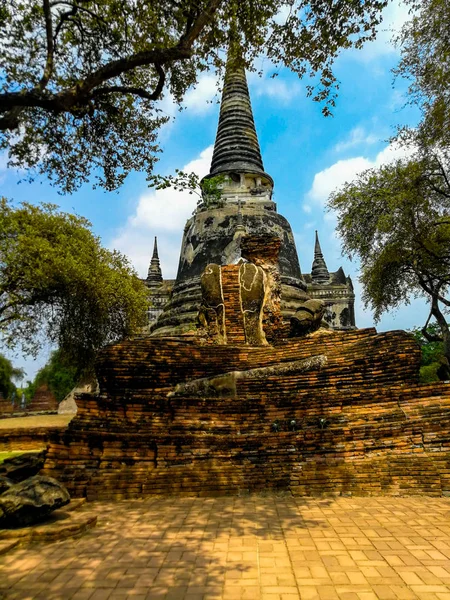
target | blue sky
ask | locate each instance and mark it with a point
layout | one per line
(307, 155)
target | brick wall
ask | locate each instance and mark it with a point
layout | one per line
(43, 400)
(359, 424)
(6, 406)
(26, 439)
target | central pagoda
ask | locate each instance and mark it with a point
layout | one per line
(213, 234)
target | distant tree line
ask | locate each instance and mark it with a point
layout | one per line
(58, 374)
(9, 375)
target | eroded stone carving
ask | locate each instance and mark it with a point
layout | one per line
(252, 292)
(224, 385)
(307, 318)
(212, 311)
(264, 252)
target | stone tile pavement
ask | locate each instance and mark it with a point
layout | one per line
(271, 547)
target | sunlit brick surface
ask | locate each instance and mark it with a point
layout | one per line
(256, 547)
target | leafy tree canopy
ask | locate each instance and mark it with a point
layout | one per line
(7, 375)
(208, 190)
(425, 62)
(57, 282)
(80, 79)
(396, 219)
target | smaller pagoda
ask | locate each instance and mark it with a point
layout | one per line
(159, 288)
(335, 289)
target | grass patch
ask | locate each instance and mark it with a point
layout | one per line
(10, 454)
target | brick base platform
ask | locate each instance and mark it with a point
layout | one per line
(332, 413)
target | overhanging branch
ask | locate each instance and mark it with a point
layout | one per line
(12, 103)
(122, 89)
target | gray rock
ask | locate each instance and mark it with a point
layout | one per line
(30, 501)
(23, 466)
(68, 406)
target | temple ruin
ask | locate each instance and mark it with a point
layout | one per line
(254, 376)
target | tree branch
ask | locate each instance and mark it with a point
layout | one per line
(182, 50)
(198, 25)
(18, 100)
(438, 189)
(429, 336)
(122, 89)
(79, 94)
(77, 6)
(443, 171)
(63, 18)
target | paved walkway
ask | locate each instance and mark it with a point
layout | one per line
(257, 547)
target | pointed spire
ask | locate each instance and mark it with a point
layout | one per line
(154, 276)
(319, 271)
(236, 148)
(155, 249)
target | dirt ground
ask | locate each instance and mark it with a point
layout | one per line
(35, 421)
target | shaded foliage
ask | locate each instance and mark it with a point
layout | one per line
(425, 62)
(59, 374)
(396, 219)
(432, 352)
(7, 375)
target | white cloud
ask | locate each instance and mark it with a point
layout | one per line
(161, 213)
(5, 170)
(277, 89)
(282, 15)
(329, 179)
(274, 88)
(200, 99)
(392, 152)
(356, 137)
(168, 106)
(342, 171)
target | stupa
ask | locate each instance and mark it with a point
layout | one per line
(245, 208)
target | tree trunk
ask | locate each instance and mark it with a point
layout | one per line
(444, 369)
